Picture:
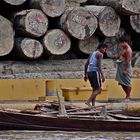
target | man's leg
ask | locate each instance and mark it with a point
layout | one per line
(127, 90)
(92, 98)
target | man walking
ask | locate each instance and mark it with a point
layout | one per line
(93, 72)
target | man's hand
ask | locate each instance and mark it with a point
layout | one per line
(103, 79)
(85, 78)
(124, 72)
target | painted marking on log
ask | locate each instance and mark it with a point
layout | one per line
(36, 23)
(60, 41)
(79, 19)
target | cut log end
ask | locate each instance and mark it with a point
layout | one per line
(32, 22)
(36, 23)
(124, 7)
(52, 8)
(80, 24)
(15, 2)
(109, 22)
(89, 45)
(132, 6)
(56, 42)
(6, 36)
(29, 48)
(135, 22)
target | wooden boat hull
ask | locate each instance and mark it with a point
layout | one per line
(20, 121)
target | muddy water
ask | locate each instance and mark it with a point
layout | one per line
(59, 135)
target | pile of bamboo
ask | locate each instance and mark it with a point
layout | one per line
(65, 29)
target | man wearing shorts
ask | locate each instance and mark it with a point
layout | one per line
(93, 72)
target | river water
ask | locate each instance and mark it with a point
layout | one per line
(61, 135)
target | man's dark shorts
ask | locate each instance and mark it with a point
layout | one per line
(94, 79)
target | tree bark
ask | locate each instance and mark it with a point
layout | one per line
(67, 56)
(78, 1)
(89, 45)
(121, 6)
(15, 2)
(6, 36)
(135, 22)
(28, 48)
(52, 8)
(78, 22)
(31, 23)
(72, 4)
(109, 21)
(56, 42)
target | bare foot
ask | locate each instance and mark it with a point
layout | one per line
(88, 104)
(126, 99)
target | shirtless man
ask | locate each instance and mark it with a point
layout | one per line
(93, 72)
(123, 75)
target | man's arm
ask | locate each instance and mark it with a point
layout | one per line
(85, 69)
(100, 56)
(127, 60)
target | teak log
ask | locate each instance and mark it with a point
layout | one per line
(52, 8)
(87, 46)
(56, 42)
(108, 20)
(31, 22)
(6, 36)
(28, 48)
(78, 22)
(126, 107)
(135, 22)
(72, 4)
(67, 56)
(121, 6)
(78, 1)
(15, 2)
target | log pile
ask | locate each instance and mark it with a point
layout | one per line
(33, 29)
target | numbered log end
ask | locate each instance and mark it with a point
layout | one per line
(56, 42)
(80, 23)
(6, 36)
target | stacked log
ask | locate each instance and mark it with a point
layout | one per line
(108, 19)
(56, 42)
(89, 45)
(52, 8)
(31, 22)
(15, 2)
(135, 23)
(28, 48)
(74, 3)
(6, 36)
(64, 26)
(78, 22)
(125, 7)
